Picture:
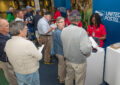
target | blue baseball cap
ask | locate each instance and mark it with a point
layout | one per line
(28, 7)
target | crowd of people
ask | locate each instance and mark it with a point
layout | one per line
(66, 39)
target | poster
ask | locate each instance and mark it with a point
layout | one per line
(109, 11)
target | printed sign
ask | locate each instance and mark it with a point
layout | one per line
(109, 15)
(109, 11)
(37, 5)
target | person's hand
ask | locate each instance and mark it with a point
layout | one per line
(102, 38)
(38, 39)
(53, 28)
(30, 22)
(26, 22)
(99, 38)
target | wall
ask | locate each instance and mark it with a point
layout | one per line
(110, 14)
(62, 5)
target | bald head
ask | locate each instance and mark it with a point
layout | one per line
(4, 26)
(2, 22)
(11, 9)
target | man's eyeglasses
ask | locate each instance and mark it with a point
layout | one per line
(61, 22)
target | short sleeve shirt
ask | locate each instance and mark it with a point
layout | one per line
(43, 26)
(97, 32)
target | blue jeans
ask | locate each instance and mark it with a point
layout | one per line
(28, 79)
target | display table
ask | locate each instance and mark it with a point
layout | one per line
(95, 65)
(112, 69)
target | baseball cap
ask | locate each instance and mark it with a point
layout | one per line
(48, 13)
(74, 16)
(28, 7)
(74, 13)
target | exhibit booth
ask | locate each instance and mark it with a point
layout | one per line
(18, 4)
(110, 14)
(104, 64)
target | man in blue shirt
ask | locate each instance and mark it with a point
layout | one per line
(45, 38)
(4, 63)
(28, 18)
(58, 49)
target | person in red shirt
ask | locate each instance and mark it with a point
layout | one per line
(67, 22)
(80, 24)
(56, 14)
(96, 28)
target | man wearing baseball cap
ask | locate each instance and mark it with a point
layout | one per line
(45, 38)
(28, 18)
(76, 48)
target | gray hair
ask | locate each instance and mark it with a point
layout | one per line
(58, 19)
(11, 8)
(15, 27)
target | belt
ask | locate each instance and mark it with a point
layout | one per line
(45, 35)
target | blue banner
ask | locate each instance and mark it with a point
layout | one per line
(62, 6)
(59, 3)
(109, 11)
(62, 3)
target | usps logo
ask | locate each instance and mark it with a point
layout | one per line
(109, 15)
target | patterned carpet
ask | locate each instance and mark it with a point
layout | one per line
(48, 74)
(3, 81)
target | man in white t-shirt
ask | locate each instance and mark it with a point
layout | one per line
(19, 15)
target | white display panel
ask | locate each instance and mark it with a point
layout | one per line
(95, 65)
(112, 68)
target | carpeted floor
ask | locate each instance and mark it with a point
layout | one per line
(3, 81)
(48, 74)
